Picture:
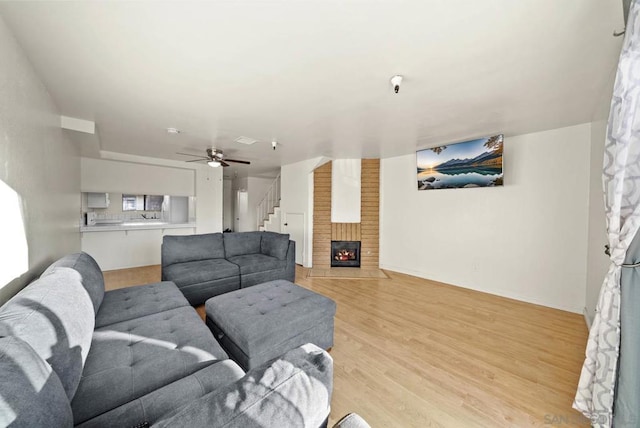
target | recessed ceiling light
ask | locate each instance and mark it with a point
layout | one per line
(173, 131)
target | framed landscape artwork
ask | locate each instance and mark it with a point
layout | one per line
(473, 163)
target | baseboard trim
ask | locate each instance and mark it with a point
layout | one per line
(501, 293)
(587, 318)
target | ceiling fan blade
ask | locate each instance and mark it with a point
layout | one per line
(199, 160)
(238, 161)
(223, 163)
(189, 154)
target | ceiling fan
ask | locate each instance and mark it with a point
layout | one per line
(214, 158)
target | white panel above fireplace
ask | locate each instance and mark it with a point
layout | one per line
(345, 191)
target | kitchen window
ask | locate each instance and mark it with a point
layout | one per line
(132, 202)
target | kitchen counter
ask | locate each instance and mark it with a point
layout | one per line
(130, 243)
(135, 225)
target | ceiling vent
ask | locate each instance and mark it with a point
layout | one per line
(245, 140)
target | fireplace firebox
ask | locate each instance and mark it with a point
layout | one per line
(345, 253)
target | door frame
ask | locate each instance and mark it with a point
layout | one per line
(304, 232)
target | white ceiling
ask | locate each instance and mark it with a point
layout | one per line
(315, 74)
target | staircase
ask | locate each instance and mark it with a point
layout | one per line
(268, 210)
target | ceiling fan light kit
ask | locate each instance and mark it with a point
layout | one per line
(214, 158)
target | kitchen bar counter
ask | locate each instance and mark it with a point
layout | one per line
(135, 225)
(130, 243)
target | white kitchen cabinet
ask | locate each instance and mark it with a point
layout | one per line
(123, 249)
(97, 200)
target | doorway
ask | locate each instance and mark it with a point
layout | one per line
(241, 211)
(294, 226)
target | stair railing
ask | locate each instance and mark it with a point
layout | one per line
(268, 203)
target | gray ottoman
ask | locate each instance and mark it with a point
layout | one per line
(262, 322)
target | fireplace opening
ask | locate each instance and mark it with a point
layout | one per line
(345, 253)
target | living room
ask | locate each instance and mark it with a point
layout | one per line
(89, 92)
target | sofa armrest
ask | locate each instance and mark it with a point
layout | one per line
(292, 391)
(291, 262)
(163, 262)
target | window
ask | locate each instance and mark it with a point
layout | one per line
(142, 202)
(132, 203)
(153, 202)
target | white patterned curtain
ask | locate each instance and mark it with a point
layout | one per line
(621, 180)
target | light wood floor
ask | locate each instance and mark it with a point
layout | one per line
(410, 352)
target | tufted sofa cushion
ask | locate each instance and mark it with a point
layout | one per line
(31, 394)
(293, 391)
(275, 244)
(130, 359)
(252, 263)
(56, 317)
(253, 316)
(201, 271)
(90, 275)
(258, 323)
(134, 302)
(237, 244)
(192, 248)
(152, 407)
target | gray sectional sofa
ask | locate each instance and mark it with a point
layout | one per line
(203, 266)
(73, 354)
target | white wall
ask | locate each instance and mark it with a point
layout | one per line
(208, 199)
(526, 240)
(227, 204)
(346, 190)
(39, 174)
(296, 190)
(597, 261)
(101, 175)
